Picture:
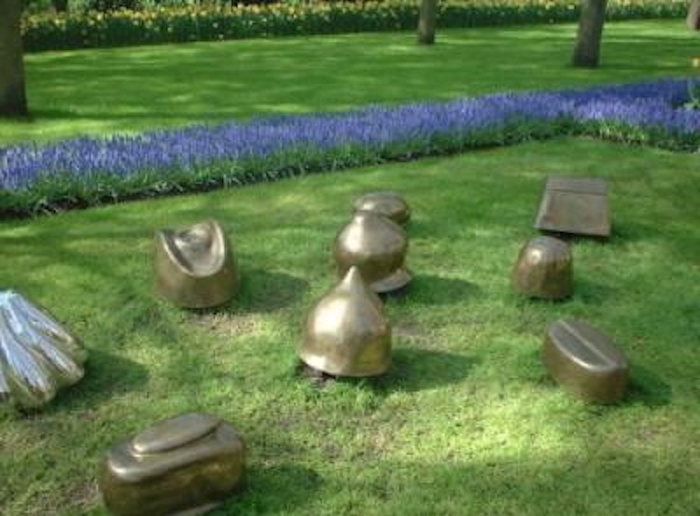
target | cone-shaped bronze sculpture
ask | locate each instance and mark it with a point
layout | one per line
(544, 269)
(585, 361)
(378, 247)
(347, 333)
(577, 205)
(195, 266)
(185, 465)
(37, 355)
(388, 204)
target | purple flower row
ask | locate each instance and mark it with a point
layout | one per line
(651, 105)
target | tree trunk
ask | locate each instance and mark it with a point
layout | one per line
(13, 98)
(590, 32)
(427, 21)
(693, 18)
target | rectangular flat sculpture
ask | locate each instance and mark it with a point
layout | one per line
(577, 205)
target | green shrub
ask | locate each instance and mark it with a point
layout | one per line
(211, 22)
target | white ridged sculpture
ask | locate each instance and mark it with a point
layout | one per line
(37, 355)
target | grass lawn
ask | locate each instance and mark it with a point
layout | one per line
(466, 422)
(132, 89)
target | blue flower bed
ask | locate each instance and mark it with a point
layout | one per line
(85, 171)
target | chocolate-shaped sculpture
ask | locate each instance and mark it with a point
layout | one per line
(347, 333)
(377, 246)
(37, 355)
(544, 269)
(585, 361)
(577, 205)
(195, 266)
(185, 465)
(388, 204)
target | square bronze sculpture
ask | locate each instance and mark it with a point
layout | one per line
(577, 205)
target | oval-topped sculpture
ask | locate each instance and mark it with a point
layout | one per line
(195, 266)
(388, 204)
(347, 333)
(585, 361)
(544, 269)
(378, 247)
(188, 464)
(37, 355)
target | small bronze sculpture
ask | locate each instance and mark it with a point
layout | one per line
(577, 205)
(585, 361)
(195, 266)
(185, 465)
(544, 269)
(37, 355)
(347, 333)
(388, 204)
(378, 247)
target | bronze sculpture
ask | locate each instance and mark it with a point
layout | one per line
(347, 333)
(195, 266)
(388, 204)
(37, 355)
(585, 361)
(188, 464)
(544, 269)
(577, 205)
(378, 247)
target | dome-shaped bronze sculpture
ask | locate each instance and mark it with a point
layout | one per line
(195, 266)
(347, 333)
(37, 355)
(544, 269)
(585, 361)
(385, 203)
(378, 247)
(188, 464)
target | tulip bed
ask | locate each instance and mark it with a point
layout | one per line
(88, 171)
(211, 22)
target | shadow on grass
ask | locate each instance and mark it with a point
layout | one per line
(428, 289)
(647, 388)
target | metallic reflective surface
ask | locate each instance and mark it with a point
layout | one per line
(544, 269)
(195, 266)
(37, 355)
(347, 333)
(185, 465)
(378, 247)
(575, 205)
(585, 361)
(388, 204)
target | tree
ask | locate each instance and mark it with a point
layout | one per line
(13, 98)
(590, 32)
(693, 18)
(427, 21)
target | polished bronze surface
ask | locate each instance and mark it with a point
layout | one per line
(37, 355)
(185, 465)
(577, 205)
(544, 269)
(347, 333)
(388, 204)
(378, 247)
(195, 266)
(585, 361)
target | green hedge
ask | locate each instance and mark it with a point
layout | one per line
(92, 29)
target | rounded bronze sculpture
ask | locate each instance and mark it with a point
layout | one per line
(585, 361)
(544, 269)
(388, 204)
(347, 333)
(185, 465)
(378, 247)
(195, 266)
(37, 355)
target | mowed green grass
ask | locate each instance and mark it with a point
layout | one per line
(99, 92)
(466, 422)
